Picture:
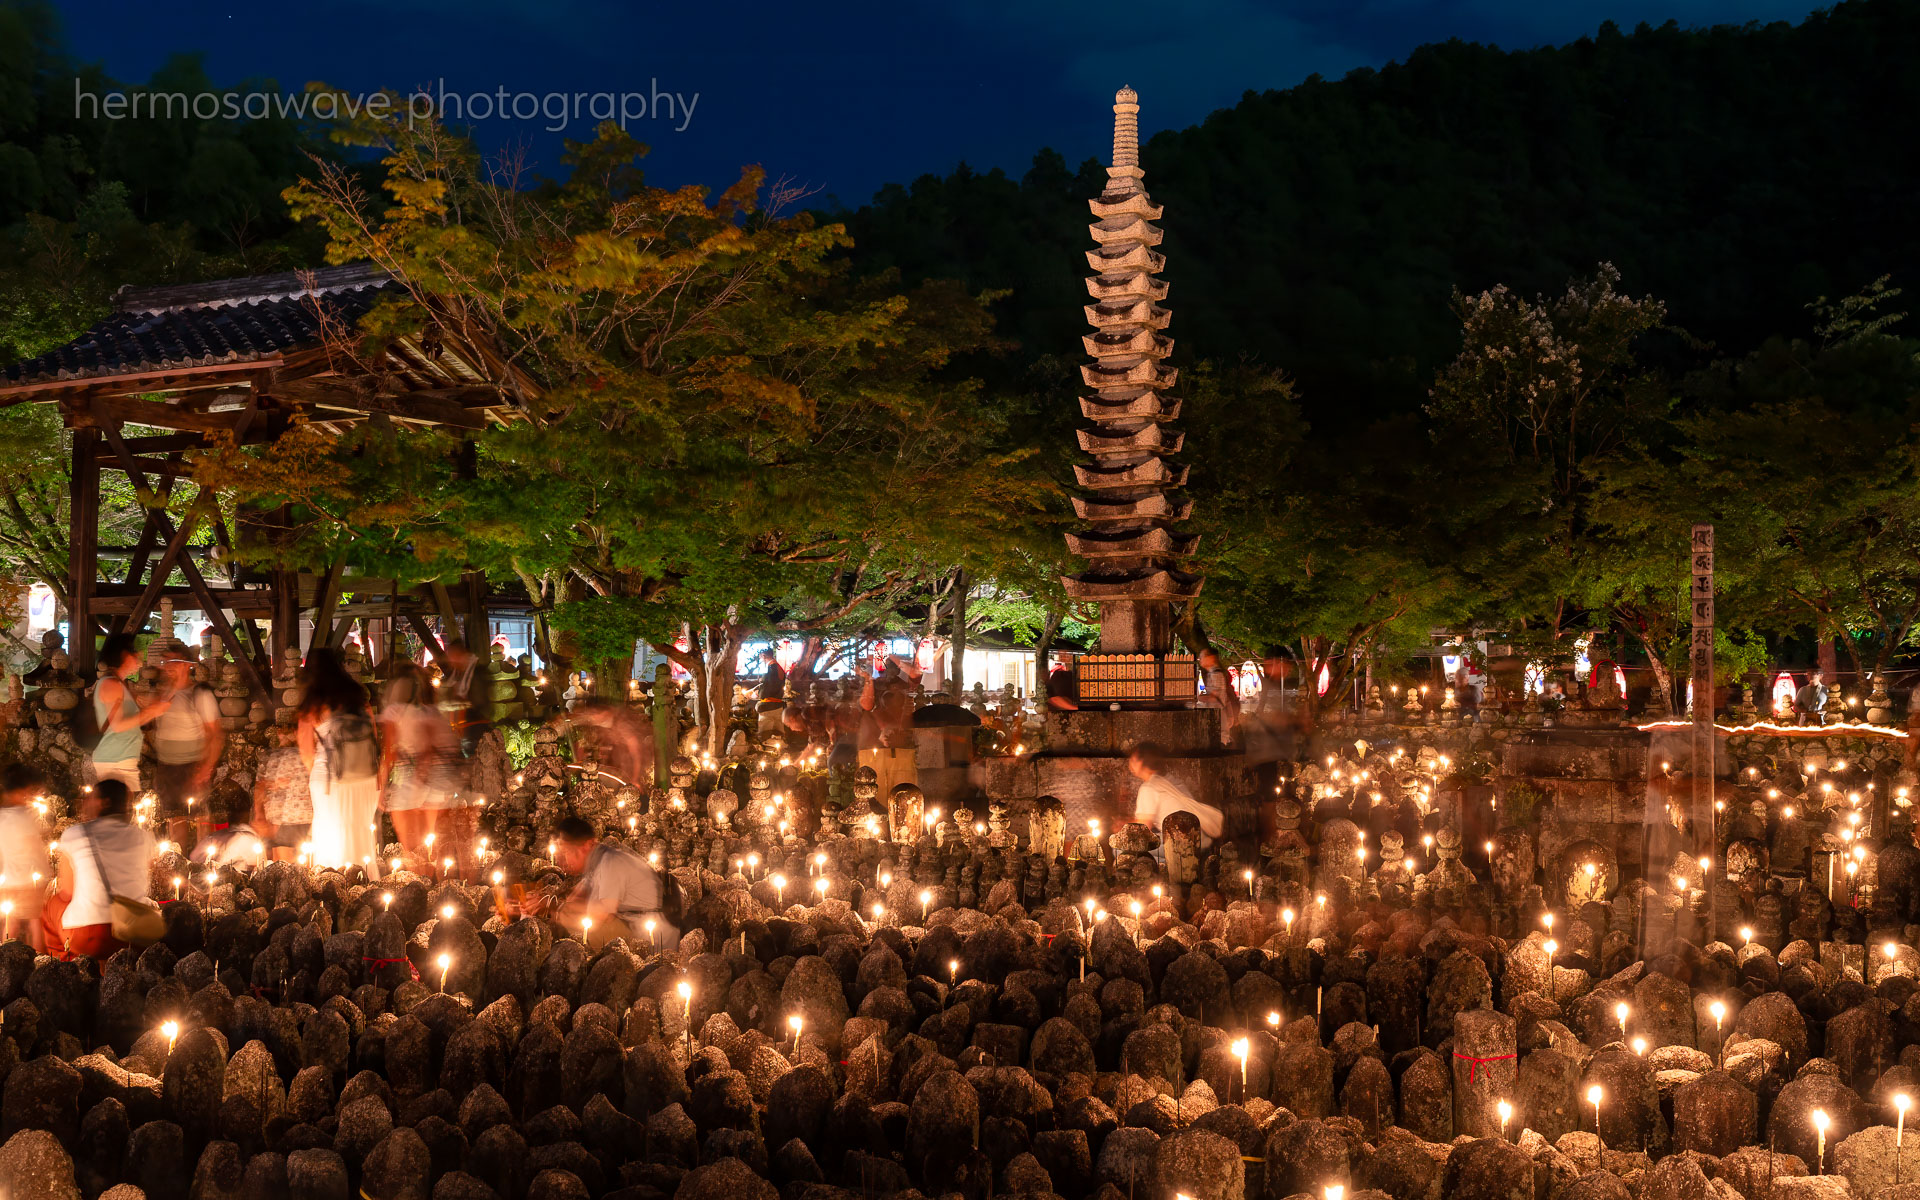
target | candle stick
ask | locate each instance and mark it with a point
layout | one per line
(1620, 1012)
(1593, 1097)
(1551, 946)
(172, 1031)
(686, 999)
(445, 961)
(780, 890)
(1240, 1052)
(653, 943)
(586, 927)
(926, 898)
(1901, 1102)
(794, 1023)
(1719, 1012)
(1820, 1123)
(1506, 1114)
(1273, 1019)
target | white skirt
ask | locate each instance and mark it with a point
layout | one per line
(344, 814)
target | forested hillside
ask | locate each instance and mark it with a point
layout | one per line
(1737, 173)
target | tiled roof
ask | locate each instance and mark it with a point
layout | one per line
(198, 325)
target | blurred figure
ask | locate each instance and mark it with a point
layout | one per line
(625, 742)
(466, 696)
(419, 769)
(1220, 694)
(336, 742)
(1060, 689)
(283, 797)
(103, 856)
(618, 889)
(1159, 795)
(118, 716)
(23, 851)
(187, 741)
(1270, 727)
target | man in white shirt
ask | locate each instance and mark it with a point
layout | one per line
(619, 891)
(1160, 795)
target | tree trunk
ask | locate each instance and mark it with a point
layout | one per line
(1662, 677)
(957, 656)
(1042, 647)
(723, 655)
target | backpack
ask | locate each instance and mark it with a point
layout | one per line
(351, 755)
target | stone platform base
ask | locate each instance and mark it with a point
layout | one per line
(1085, 764)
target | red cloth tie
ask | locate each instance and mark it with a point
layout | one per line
(1473, 1063)
(374, 964)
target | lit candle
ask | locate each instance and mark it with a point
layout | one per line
(177, 881)
(820, 885)
(1240, 1052)
(1593, 1097)
(926, 898)
(1506, 1114)
(953, 972)
(1273, 1019)
(1286, 914)
(1820, 1124)
(795, 1022)
(686, 1000)
(1620, 1012)
(445, 961)
(1640, 1046)
(648, 925)
(780, 890)
(1901, 1102)
(386, 900)
(586, 927)
(172, 1031)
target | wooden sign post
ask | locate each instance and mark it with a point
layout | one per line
(1700, 598)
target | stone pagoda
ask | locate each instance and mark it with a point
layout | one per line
(1135, 686)
(1132, 485)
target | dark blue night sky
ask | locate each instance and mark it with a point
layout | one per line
(842, 97)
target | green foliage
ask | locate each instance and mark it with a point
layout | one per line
(520, 743)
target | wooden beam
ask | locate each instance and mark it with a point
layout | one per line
(115, 411)
(132, 381)
(439, 652)
(328, 599)
(154, 466)
(83, 558)
(255, 601)
(478, 632)
(209, 606)
(136, 615)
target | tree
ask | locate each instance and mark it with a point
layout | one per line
(730, 432)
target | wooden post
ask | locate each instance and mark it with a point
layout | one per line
(83, 553)
(1704, 824)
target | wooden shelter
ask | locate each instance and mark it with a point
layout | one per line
(247, 358)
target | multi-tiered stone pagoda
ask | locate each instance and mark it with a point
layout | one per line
(1134, 687)
(1133, 486)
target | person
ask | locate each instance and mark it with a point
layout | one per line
(1269, 725)
(283, 798)
(1810, 702)
(771, 695)
(419, 758)
(23, 851)
(103, 856)
(118, 716)
(1060, 689)
(466, 696)
(624, 742)
(336, 743)
(187, 741)
(230, 846)
(1159, 795)
(619, 890)
(1220, 693)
